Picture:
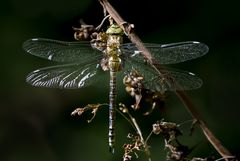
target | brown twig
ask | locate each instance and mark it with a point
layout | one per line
(209, 135)
(181, 94)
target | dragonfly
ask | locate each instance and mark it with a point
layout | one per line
(83, 63)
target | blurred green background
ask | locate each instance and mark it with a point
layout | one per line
(35, 123)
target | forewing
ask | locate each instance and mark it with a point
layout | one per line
(61, 51)
(71, 76)
(167, 80)
(167, 53)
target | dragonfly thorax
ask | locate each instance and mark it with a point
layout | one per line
(114, 40)
(113, 51)
(113, 44)
(112, 61)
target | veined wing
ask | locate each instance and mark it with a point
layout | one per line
(70, 76)
(172, 80)
(168, 53)
(61, 51)
(168, 80)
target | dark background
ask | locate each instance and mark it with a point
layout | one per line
(35, 123)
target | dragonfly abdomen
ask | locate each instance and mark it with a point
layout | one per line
(112, 112)
(114, 66)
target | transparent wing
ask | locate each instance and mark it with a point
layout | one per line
(69, 76)
(168, 80)
(172, 80)
(168, 53)
(60, 51)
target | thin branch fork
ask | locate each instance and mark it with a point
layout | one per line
(181, 94)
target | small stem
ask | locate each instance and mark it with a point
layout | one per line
(119, 111)
(149, 135)
(146, 149)
(134, 123)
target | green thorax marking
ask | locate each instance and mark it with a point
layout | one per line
(114, 29)
(113, 44)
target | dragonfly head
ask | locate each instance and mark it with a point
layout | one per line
(114, 29)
